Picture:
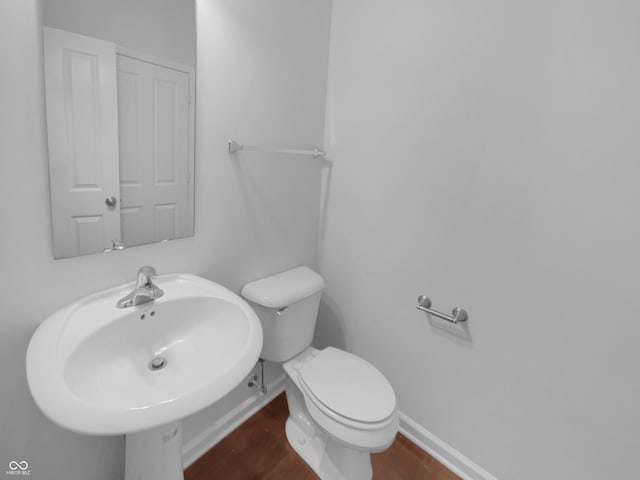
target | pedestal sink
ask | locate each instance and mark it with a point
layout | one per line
(101, 370)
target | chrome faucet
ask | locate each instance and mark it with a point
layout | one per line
(145, 290)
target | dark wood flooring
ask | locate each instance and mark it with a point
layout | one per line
(258, 450)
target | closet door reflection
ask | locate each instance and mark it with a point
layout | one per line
(153, 119)
(83, 142)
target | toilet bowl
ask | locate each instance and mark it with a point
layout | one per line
(347, 397)
(341, 408)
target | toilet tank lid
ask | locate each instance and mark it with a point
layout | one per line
(284, 288)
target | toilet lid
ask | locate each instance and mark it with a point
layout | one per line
(349, 386)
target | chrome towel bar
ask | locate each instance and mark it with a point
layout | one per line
(233, 147)
(457, 315)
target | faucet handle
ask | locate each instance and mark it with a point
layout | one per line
(145, 275)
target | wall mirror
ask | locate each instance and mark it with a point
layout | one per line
(119, 89)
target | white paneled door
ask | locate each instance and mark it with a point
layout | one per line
(155, 154)
(80, 79)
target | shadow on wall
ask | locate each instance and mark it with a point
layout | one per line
(329, 327)
(460, 333)
(325, 187)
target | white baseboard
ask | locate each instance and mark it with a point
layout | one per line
(441, 451)
(198, 446)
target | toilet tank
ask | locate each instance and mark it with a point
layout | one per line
(287, 306)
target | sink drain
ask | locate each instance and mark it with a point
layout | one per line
(157, 363)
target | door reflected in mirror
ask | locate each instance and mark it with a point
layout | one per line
(119, 84)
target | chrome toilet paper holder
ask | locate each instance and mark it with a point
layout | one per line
(457, 314)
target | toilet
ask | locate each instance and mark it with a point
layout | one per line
(341, 408)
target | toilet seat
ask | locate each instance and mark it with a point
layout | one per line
(338, 404)
(348, 389)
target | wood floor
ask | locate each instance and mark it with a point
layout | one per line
(258, 450)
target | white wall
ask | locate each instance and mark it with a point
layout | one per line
(254, 216)
(162, 28)
(262, 78)
(486, 154)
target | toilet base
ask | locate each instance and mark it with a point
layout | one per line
(328, 458)
(309, 447)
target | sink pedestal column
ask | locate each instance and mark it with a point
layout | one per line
(154, 454)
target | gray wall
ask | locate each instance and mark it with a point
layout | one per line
(486, 154)
(254, 216)
(162, 28)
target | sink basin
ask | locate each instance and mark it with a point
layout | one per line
(97, 369)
